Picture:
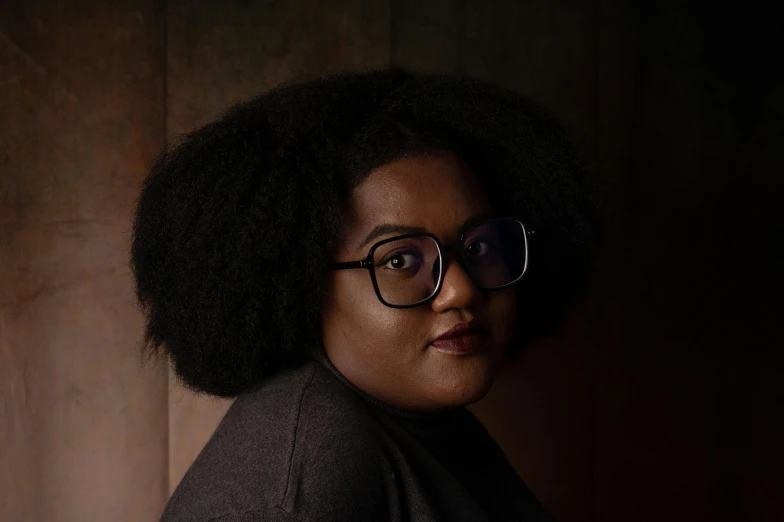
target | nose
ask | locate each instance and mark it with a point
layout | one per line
(457, 288)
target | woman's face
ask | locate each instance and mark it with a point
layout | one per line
(387, 352)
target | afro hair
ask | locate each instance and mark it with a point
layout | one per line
(237, 220)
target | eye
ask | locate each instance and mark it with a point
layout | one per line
(402, 260)
(479, 248)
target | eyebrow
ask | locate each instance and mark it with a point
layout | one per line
(392, 228)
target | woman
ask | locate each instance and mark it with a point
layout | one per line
(356, 258)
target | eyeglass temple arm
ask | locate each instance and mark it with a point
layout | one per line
(350, 264)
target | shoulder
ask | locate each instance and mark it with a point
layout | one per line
(340, 469)
(242, 466)
(302, 446)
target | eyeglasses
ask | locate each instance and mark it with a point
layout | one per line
(408, 270)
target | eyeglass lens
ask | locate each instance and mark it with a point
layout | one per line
(407, 270)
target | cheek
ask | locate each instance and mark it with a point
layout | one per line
(370, 331)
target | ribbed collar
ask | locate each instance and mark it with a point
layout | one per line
(431, 427)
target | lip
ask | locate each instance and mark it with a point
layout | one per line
(472, 327)
(463, 338)
(461, 344)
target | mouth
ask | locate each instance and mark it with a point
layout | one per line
(468, 343)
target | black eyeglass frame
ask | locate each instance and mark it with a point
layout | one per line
(442, 249)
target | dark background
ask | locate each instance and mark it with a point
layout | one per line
(661, 401)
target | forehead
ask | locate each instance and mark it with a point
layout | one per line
(434, 192)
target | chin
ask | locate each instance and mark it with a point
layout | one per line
(466, 390)
(460, 380)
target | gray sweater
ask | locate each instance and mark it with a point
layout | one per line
(308, 445)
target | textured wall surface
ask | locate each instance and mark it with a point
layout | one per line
(82, 426)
